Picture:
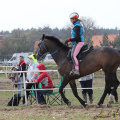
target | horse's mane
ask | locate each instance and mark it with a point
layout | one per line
(57, 41)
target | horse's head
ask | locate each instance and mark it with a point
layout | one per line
(41, 48)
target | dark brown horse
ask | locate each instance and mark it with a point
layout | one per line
(105, 58)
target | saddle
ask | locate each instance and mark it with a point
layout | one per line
(81, 55)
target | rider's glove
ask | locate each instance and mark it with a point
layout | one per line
(68, 40)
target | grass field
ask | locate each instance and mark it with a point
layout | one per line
(57, 112)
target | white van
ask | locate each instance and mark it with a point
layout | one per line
(48, 58)
(14, 61)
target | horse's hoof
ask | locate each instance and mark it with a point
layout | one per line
(87, 107)
(111, 98)
(98, 106)
(69, 104)
(109, 105)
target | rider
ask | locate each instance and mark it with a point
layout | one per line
(77, 40)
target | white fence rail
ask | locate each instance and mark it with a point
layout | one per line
(9, 68)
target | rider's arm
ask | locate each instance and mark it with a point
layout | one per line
(77, 37)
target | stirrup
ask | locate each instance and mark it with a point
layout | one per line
(73, 72)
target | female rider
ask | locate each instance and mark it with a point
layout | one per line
(77, 40)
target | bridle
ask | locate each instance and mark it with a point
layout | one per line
(38, 51)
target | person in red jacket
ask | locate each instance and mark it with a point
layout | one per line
(46, 82)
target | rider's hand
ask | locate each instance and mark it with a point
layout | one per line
(68, 40)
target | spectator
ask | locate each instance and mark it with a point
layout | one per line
(22, 67)
(86, 82)
(46, 82)
(31, 75)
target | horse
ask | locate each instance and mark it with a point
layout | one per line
(105, 58)
(13, 76)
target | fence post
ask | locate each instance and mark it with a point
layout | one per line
(25, 89)
(36, 93)
(6, 71)
(58, 75)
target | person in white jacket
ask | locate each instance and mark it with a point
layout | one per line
(86, 82)
(32, 67)
(31, 75)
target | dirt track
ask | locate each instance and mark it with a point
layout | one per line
(50, 112)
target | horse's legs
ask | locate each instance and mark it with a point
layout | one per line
(104, 95)
(107, 88)
(74, 89)
(63, 84)
(115, 85)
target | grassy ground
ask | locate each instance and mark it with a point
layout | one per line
(57, 112)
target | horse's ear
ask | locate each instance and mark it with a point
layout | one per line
(43, 36)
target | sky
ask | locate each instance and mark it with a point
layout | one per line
(55, 13)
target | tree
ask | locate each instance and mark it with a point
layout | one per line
(105, 41)
(116, 43)
(47, 30)
(15, 42)
(89, 41)
(20, 40)
(90, 27)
